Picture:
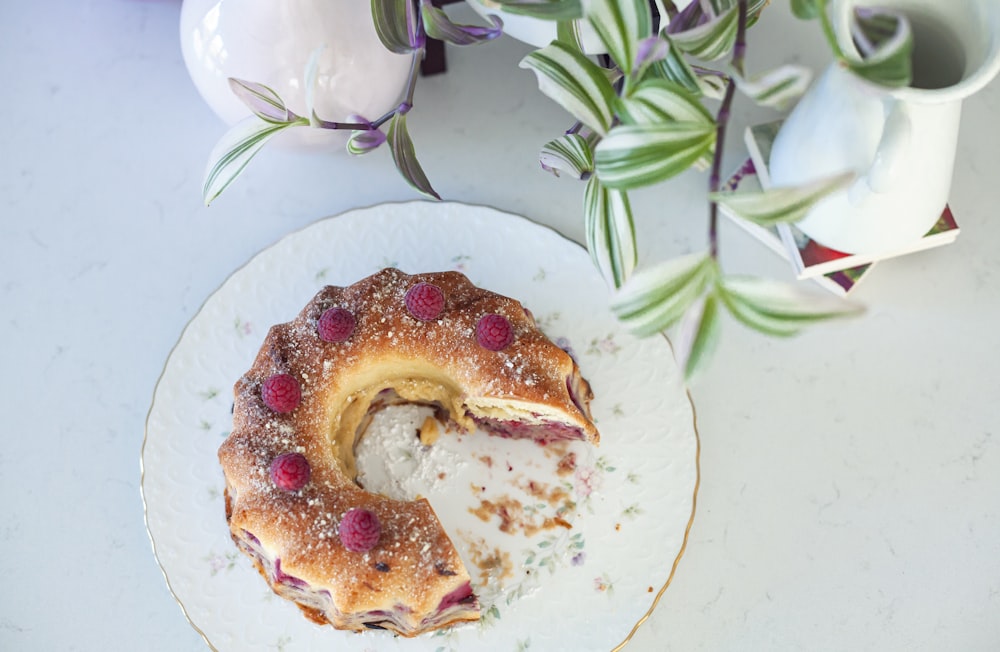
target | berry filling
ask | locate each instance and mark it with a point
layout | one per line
(283, 578)
(461, 595)
(544, 433)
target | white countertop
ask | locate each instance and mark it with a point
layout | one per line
(849, 492)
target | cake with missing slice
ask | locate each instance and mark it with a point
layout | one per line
(346, 556)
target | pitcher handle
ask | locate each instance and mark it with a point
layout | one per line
(892, 147)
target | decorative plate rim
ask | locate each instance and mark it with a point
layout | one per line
(250, 260)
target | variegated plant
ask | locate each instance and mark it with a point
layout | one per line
(640, 118)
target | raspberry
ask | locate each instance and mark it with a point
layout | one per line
(424, 301)
(494, 332)
(359, 530)
(290, 472)
(281, 393)
(335, 325)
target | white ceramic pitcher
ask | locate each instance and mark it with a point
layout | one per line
(902, 142)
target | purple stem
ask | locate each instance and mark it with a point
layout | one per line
(402, 107)
(722, 121)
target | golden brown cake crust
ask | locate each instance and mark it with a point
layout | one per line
(414, 566)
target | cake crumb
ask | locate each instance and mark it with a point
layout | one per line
(429, 431)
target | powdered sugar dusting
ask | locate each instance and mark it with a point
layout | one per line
(392, 460)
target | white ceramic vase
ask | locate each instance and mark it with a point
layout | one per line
(901, 143)
(271, 42)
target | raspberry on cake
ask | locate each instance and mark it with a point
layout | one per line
(346, 556)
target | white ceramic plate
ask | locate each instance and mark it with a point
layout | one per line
(630, 502)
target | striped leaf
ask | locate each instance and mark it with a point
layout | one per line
(574, 82)
(649, 51)
(659, 100)
(637, 155)
(396, 25)
(776, 88)
(363, 141)
(610, 231)
(712, 86)
(543, 10)
(787, 204)
(886, 44)
(570, 33)
(754, 9)
(570, 154)
(262, 100)
(234, 150)
(620, 24)
(777, 308)
(674, 67)
(697, 335)
(439, 26)
(654, 299)
(711, 39)
(405, 157)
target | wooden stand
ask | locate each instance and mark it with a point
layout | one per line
(434, 61)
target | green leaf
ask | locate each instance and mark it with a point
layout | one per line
(654, 299)
(637, 155)
(405, 157)
(569, 32)
(610, 231)
(570, 154)
(660, 100)
(777, 308)
(620, 24)
(544, 10)
(754, 10)
(711, 40)
(886, 45)
(787, 204)
(697, 335)
(395, 23)
(235, 149)
(807, 9)
(674, 67)
(776, 88)
(574, 82)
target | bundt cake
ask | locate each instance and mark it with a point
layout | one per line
(346, 556)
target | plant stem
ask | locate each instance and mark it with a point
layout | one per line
(715, 179)
(330, 124)
(721, 122)
(828, 31)
(407, 102)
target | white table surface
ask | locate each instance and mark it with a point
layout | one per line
(850, 477)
